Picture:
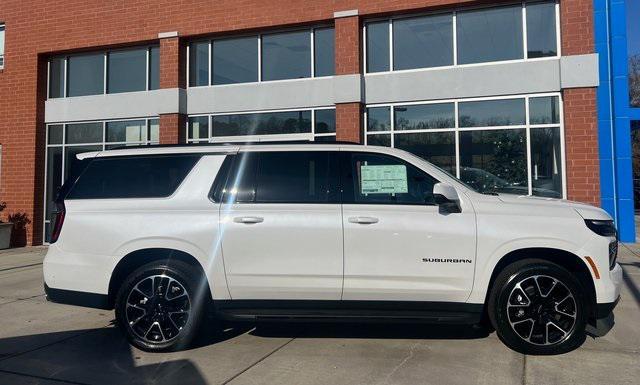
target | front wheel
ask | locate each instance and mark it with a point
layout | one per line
(538, 307)
(159, 306)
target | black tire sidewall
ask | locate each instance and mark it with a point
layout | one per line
(189, 278)
(500, 296)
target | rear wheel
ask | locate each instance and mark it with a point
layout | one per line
(538, 307)
(159, 307)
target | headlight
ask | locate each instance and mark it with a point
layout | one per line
(600, 227)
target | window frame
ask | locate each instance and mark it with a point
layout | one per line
(105, 70)
(454, 11)
(259, 35)
(528, 126)
(3, 30)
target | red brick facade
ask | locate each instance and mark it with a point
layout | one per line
(38, 29)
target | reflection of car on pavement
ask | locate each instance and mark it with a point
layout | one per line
(485, 181)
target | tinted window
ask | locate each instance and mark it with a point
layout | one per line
(378, 119)
(85, 75)
(378, 46)
(286, 56)
(154, 68)
(199, 64)
(132, 177)
(438, 148)
(484, 113)
(423, 42)
(198, 127)
(425, 116)
(292, 122)
(324, 51)
(127, 71)
(84, 133)
(126, 131)
(546, 162)
(541, 29)
(544, 110)
(56, 77)
(379, 140)
(325, 121)
(489, 34)
(382, 179)
(55, 134)
(235, 60)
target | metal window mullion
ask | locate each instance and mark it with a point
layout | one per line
(392, 116)
(48, 79)
(528, 139)
(106, 63)
(66, 76)
(147, 72)
(457, 138)
(563, 165)
(454, 24)
(390, 45)
(313, 54)
(210, 133)
(558, 30)
(259, 58)
(104, 134)
(313, 122)
(364, 48)
(44, 198)
(525, 49)
(210, 63)
(188, 64)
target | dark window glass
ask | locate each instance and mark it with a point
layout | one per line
(1, 45)
(286, 55)
(324, 52)
(154, 130)
(73, 165)
(126, 131)
(541, 29)
(85, 75)
(546, 162)
(438, 148)
(379, 119)
(154, 68)
(379, 140)
(55, 133)
(54, 178)
(294, 177)
(491, 34)
(327, 138)
(56, 77)
(544, 110)
(271, 123)
(325, 121)
(84, 133)
(485, 113)
(424, 116)
(494, 160)
(235, 60)
(127, 71)
(132, 177)
(423, 42)
(198, 127)
(199, 64)
(378, 46)
(241, 184)
(382, 179)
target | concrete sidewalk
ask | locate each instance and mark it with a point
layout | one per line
(45, 343)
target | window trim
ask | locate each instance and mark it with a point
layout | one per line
(457, 129)
(454, 12)
(105, 72)
(3, 29)
(259, 35)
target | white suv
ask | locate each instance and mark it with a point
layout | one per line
(322, 232)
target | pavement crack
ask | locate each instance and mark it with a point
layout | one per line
(257, 362)
(42, 378)
(402, 363)
(20, 267)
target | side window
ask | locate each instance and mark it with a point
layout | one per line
(381, 179)
(283, 177)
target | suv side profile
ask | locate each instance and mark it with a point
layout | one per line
(168, 235)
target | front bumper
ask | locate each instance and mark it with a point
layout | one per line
(603, 320)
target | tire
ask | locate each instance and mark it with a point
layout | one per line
(538, 308)
(160, 306)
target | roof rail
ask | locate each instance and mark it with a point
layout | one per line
(271, 143)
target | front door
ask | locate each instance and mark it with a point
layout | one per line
(398, 244)
(282, 227)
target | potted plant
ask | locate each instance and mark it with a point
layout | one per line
(5, 230)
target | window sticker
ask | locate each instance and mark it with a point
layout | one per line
(384, 179)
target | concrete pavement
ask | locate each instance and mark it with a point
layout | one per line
(44, 343)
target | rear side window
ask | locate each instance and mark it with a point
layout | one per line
(132, 177)
(284, 177)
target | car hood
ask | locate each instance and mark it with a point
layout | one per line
(584, 210)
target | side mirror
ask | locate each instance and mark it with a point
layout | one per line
(447, 197)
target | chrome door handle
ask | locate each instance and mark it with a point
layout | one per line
(363, 220)
(248, 220)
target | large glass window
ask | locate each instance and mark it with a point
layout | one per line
(198, 128)
(485, 144)
(286, 55)
(85, 75)
(56, 77)
(378, 46)
(269, 123)
(65, 141)
(154, 68)
(235, 60)
(127, 71)
(491, 34)
(2, 45)
(541, 30)
(325, 121)
(423, 42)
(199, 64)
(324, 52)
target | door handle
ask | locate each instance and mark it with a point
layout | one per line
(248, 220)
(363, 220)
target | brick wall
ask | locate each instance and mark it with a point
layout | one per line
(36, 29)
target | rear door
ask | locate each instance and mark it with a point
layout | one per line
(282, 227)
